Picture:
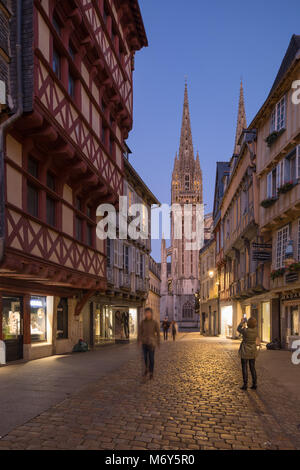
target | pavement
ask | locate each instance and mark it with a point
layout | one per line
(98, 401)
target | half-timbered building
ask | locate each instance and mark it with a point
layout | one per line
(63, 157)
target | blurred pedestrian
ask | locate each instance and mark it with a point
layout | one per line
(248, 350)
(166, 326)
(149, 338)
(174, 329)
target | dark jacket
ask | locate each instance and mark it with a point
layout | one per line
(149, 333)
(248, 348)
(166, 325)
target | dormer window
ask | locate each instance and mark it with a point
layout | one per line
(278, 117)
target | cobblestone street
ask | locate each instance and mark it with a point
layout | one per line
(194, 402)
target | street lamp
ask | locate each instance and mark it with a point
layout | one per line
(211, 274)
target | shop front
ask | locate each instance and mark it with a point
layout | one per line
(26, 323)
(113, 324)
(12, 327)
(290, 313)
(227, 321)
(265, 322)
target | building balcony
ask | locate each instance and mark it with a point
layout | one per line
(284, 210)
(249, 285)
(142, 285)
(110, 275)
(125, 281)
(40, 253)
(245, 228)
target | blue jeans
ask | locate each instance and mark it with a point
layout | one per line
(148, 352)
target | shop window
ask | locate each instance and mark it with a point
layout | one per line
(294, 321)
(32, 200)
(103, 325)
(11, 318)
(62, 319)
(38, 319)
(56, 63)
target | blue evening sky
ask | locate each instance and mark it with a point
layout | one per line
(214, 43)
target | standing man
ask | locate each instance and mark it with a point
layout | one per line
(149, 337)
(174, 329)
(166, 326)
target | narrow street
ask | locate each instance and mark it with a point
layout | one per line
(194, 402)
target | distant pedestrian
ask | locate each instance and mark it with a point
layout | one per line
(166, 326)
(174, 329)
(248, 350)
(149, 338)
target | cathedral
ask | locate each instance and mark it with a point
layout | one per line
(179, 263)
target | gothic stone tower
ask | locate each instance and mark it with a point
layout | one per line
(179, 278)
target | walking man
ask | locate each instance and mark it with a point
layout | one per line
(166, 326)
(149, 338)
(174, 329)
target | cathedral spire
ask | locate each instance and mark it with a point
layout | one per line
(241, 121)
(186, 151)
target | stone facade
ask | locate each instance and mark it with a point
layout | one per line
(153, 299)
(180, 285)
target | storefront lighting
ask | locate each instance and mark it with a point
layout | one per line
(36, 303)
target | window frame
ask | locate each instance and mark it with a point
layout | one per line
(282, 238)
(278, 116)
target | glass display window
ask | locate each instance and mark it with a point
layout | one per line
(103, 324)
(295, 321)
(38, 318)
(133, 323)
(12, 318)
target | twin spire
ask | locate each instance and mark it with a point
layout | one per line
(186, 157)
(186, 149)
(241, 121)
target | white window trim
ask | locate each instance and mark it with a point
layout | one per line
(274, 127)
(282, 238)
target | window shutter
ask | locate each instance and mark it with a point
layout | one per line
(132, 253)
(120, 254)
(273, 120)
(269, 185)
(137, 257)
(298, 162)
(116, 253)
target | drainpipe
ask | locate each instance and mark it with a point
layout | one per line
(5, 125)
